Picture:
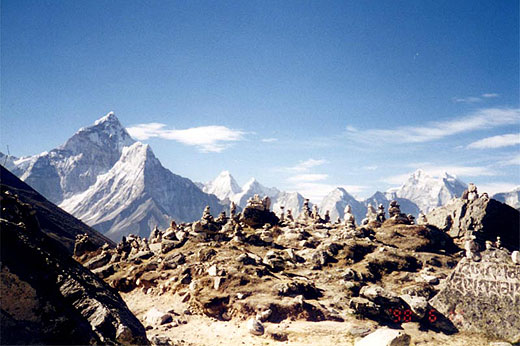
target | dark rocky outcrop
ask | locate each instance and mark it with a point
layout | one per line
(49, 298)
(255, 217)
(55, 222)
(486, 218)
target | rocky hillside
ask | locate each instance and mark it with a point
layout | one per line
(259, 272)
(49, 298)
(53, 221)
(483, 217)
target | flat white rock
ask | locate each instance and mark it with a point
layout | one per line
(385, 337)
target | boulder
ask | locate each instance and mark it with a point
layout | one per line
(155, 317)
(255, 327)
(483, 296)
(486, 218)
(257, 218)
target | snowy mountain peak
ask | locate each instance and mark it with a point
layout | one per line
(251, 188)
(109, 117)
(336, 201)
(511, 198)
(428, 192)
(106, 132)
(223, 186)
(137, 152)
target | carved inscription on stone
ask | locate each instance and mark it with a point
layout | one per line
(483, 280)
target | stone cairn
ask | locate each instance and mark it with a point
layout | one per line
(232, 210)
(315, 213)
(471, 247)
(381, 213)
(371, 213)
(306, 213)
(290, 216)
(421, 219)
(350, 220)
(282, 214)
(394, 211)
(326, 218)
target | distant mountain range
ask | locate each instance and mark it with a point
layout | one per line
(117, 186)
(511, 198)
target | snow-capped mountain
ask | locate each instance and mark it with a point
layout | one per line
(428, 192)
(74, 166)
(336, 201)
(102, 176)
(137, 194)
(251, 188)
(223, 186)
(407, 206)
(511, 198)
(289, 200)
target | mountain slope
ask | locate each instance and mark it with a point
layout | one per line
(251, 188)
(290, 200)
(53, 221)
(407, 206)
(223, 186)
(74, 166)
(428, 192)
(137, 194)
(336, 201)
(511, 198)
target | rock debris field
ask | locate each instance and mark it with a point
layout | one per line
(254, 277)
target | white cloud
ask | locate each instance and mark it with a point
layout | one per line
(473, 99)
(304, 166)
(370, 168)
(269, 140)
(496, 187)
(206, 138)
(496, 141)
(513, 161)
(144, 131)
(470, 99)
(307, 177)
(481, 119)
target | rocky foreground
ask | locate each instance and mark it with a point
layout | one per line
(260, 278)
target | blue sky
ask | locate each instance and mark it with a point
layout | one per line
(302, 95)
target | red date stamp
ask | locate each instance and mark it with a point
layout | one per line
(405, 315)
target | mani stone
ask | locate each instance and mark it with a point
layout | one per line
(483, 296)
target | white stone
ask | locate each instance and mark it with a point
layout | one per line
(264, 315)
(418, 304)
(155, 317)
(212, 271)
(515, 256)
(385, 337)
(432, 280)
(255, 327)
